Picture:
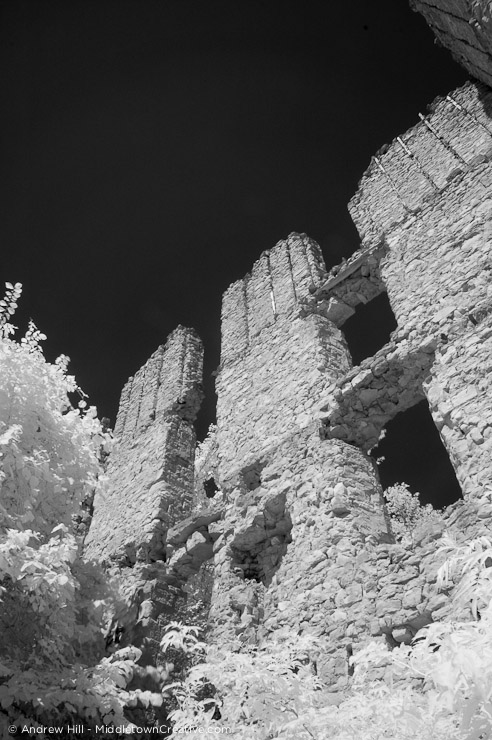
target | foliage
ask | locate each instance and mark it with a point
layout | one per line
(254, 688)
(53, 607)
(8, 304)
(438, 688)
(408, 516)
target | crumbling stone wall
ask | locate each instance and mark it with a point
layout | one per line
(295, 520)
(429, 223)
(458, 390)
(436, 266)
(299, 509)
(452, 139)
(151, 468)
(150, 486)
(277, 351)
(295, 553)
(304, 544)
(370, 395)
(465, 28)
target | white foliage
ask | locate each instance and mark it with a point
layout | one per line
(52, 608)
(438, 688)
(407, 514)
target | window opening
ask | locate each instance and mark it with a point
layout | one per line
(413, 453)
(369, 328)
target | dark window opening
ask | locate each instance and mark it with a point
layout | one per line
(251, 476)
(210, 487)
(350, 666)
(413, 453)
(369, 328)
(247, 566)
(261, 562)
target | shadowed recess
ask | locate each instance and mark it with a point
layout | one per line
(369, 328)
(414, 453)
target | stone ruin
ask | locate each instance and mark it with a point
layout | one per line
(285, 511)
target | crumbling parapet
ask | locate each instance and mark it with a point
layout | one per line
(452, 139)
(268, 387)
(151, 469)
(278, 282)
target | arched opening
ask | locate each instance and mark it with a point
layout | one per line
(413, 453)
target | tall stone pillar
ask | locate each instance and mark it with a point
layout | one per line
(304, 513)
(150, 483)
(278, 353)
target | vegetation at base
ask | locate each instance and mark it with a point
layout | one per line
(437, 688)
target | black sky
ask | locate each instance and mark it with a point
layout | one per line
(152, 150)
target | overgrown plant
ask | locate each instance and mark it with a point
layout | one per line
(408, 516)
(53, 607)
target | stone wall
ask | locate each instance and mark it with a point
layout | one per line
(436, 267)
(465, 28)
(151, 469)
(303, 543)
(278, 351)
(295, 553)
(288, 502)
(300, 511)
(150, 489)
(417, 166)
(458, 391)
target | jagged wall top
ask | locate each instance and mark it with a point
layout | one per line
(282, 278)
(170, 381)
(150, 472)
(418, 165)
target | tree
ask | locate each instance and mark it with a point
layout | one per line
(53, 607)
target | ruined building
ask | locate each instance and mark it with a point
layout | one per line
(287, 507)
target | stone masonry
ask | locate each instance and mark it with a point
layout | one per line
(287, 511)
(150, 485)
(465, 28)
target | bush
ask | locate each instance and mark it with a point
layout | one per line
(53, 608)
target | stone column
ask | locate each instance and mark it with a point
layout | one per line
(305, 513)
(150, 485)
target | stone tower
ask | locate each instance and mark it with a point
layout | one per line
(150, 484)
(302, 510)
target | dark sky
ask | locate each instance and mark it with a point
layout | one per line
(152, 150)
